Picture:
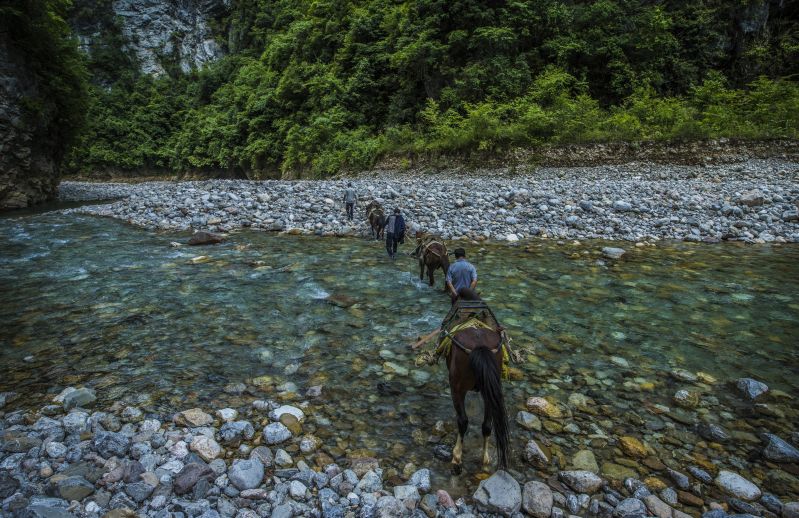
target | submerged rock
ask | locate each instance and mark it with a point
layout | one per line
(613, 252)
(735, 485)
(205, 238)
(751, 389)
(778, 450)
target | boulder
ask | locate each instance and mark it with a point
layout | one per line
(751, 389)
(205, 447)
(630, 507)
(778, 450)
(753, 198)
(81, 397)
(109, 444)
(205, 238)
(499, 494)
(276, 433)
(613, 253)
(737, 486)
(188, 477)
(535, 455)
(537, 499)
(246, 474)
(581, 481)
(193, 418)
(74, 488)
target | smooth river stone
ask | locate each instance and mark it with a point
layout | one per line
(735, 485)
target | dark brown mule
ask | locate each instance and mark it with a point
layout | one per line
(432, 255)
(475, 363)
(377, 219)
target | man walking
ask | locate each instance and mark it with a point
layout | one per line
(395, 232)
(349, 200)
(461, 274)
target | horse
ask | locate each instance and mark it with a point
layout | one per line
(431, 254)
(474, 362)
(377, 218)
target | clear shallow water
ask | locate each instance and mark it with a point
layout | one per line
(98, 303)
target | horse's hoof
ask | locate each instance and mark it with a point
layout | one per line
(456, 469)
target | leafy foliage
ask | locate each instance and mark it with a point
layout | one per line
(36, 31)
(313, 87)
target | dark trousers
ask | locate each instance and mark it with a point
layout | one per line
(350, 209)
(391, 244)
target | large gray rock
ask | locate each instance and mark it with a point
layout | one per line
(246, 474)
(735, 485)
(109, 444)
(74, 488)
(81, 397)
(778, 450)
(612, 252)
(630, 507)
(276, 433)
(751, 389)
(537, 499)
(499, 493)
(581, 481)
(189, 475)
(231, 434)
(535, 455)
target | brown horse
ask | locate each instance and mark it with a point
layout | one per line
(475, 363)
(377, 218)
(432, 254)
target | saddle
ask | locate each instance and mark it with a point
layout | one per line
(471, 314)
(424, 243)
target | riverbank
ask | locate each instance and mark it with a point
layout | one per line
(68, 459)
(753, 201)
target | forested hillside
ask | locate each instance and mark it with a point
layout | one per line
(313, 87)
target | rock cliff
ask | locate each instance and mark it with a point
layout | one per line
(160, 33)
(29, 155)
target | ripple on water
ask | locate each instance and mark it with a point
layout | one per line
(178, 333)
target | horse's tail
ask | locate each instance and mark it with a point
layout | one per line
(487, 376)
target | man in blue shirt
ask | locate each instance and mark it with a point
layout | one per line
(461, 274)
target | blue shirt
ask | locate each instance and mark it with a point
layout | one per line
(461, 274)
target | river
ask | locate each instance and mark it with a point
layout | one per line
(95, 302)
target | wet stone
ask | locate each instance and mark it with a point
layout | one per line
(109, 444)
(585, 460)
(778, 450)
(581, 481)
(680, 480)
(712, 432)
(188, 477)
(629, 507)
(535, 455)
(751, 389)
(537, 499)
(276, 433)
(74, 488)
(500, 493)
(246, 474)
(81, 397)
(735, 485)
(700, 474)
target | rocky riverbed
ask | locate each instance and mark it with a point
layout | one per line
(753, 201)
(68, 459)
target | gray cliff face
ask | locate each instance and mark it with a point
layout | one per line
(161, 32)
(28, 153)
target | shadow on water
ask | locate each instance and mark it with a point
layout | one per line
(91, 301)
